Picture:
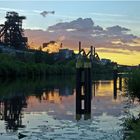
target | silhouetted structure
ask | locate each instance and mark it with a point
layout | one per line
(83, 83)
(116, 75)
(11, 33)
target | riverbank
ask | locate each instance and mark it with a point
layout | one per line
(11, 66)
(132, 124)
(35, 63)
(133, 83)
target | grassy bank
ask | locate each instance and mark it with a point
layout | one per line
(11, 66)
(37, 63)
(132, 124)
(133, 83)
(132, 129)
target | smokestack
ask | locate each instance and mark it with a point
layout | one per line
(79, 46)
(91, 49)
(61, 45)
(94, 51)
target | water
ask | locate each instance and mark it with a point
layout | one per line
(44, 109)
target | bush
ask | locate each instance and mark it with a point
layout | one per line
(133, 83)
(11, 66)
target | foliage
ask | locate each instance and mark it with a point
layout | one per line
(26, 86)
(132, 128)
(133, 83)
(37, 63)
(132, 125)
(98, 68)
(11, 66)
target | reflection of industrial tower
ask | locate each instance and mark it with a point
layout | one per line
(11, 33)
(11, 112)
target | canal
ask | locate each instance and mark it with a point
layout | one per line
(46, 109)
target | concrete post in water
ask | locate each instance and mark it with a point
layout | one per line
(79, 69)
(115, 75)
(87, 86)
(115, 88)
(83, 81)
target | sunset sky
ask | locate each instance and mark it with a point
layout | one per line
(126, 15)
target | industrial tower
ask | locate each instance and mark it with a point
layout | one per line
(11, 33)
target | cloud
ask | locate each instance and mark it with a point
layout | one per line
(51, 46)
(66, 17)
(117, 29)
(10, 9)
(106, 14)
(45, 13)
(70, 30)
(78, 24)
(120, 51)
(90, 34)
(37, 11)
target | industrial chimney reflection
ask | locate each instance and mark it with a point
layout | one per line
(11, 112)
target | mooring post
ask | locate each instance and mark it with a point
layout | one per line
(87, 86)
(120, 83)
(115, 88)
(83, 84)
(79, 69)
(115, 75)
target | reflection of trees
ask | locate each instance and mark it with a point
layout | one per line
(11, 103)
(66, 91)
(97, 83)
(55, 88)
(11, 112)
(55, 95)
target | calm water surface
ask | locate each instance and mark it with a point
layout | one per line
(45, 109)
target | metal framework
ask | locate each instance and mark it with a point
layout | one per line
(11, 32)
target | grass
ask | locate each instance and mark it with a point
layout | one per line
(132, 125)
(11, 66)
(133, 84)
(132, 129)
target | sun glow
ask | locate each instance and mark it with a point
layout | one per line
(125, 59)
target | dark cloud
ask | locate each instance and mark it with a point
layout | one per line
(86, 31)
(117, 30)
(78, 24)
(45, 13)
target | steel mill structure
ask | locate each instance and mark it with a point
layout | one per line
(11, 32)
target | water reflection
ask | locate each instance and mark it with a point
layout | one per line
(16, 96)
(56, 97)
(11, 111)
(117, 87)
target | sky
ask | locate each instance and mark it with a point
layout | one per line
(103, 13)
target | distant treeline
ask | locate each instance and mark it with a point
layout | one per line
(37, 63)
(34, 65)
